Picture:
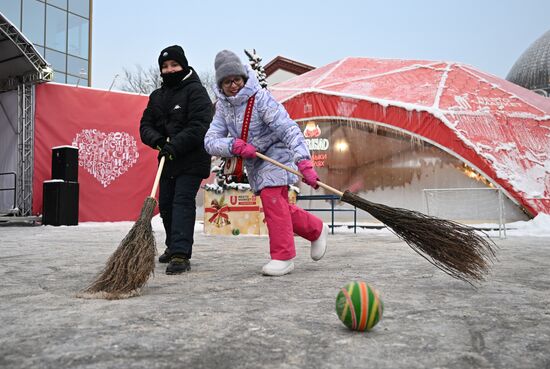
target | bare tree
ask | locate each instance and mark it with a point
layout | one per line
(145, 81)
(140, 80)
(208, 80)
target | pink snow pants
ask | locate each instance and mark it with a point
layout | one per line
(283, 220)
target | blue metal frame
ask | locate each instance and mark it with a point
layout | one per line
(333, 199)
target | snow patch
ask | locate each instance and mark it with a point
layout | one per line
(531, 182)
(505, 146)
(536, 227)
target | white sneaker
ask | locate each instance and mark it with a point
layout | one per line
(278, 267)
(319, 246)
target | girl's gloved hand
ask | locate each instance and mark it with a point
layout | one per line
(310, 175)
(243, 149)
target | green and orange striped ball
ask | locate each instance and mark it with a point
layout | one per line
(359, 306)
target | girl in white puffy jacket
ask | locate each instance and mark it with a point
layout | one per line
(273, 133)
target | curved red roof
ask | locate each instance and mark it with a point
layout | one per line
(497, 127)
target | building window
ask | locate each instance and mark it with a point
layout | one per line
(40, 50)
(77, 81)
(57, 60)
(56, 29)
(59, 3)
(33, 21)
(80, 7)
(59, 77)
(12, 10)
(77, 67)
(78, 36)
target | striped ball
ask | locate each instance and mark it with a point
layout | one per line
(359, 306)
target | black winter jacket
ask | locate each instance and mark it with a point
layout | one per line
(183, 113)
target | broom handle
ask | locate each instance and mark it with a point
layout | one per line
(157, 178)
(159, 172)
(289, 169)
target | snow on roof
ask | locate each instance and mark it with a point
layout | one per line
(502, 129)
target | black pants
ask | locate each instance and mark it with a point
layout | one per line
(178, 211)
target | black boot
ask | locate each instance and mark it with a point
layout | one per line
(178, 264)
(165, 258)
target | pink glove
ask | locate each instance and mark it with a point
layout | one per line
(310, 175)
(243, 149)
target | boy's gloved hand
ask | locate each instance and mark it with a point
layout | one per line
(243, 149)
(160, 143)
(310, 175)
(168, 151)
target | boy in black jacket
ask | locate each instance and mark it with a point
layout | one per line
(175, 121)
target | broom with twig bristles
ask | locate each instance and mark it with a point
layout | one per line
(133, 262)
(454, 248)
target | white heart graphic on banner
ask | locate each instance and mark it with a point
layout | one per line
(106, 156)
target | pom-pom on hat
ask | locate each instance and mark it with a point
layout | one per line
(174, 52)
(226, 64)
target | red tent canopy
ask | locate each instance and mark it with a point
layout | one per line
(500, 129)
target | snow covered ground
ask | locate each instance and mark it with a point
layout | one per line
(225, 314)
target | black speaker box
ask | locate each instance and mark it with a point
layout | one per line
(65, 163)
(60, 203)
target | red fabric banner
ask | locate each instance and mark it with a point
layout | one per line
(116, 171)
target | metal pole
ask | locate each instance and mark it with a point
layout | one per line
(427, 203)
(502, 213)
(355, 220)
(332, 213)
(25, 147)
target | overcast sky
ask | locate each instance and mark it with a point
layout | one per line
(488, 34)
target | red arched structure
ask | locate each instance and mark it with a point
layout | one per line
(500, 129)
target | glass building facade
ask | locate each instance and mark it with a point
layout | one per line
(60, 30)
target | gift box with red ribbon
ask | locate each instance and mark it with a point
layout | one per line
(234, 212)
